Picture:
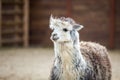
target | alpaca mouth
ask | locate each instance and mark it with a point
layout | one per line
(54, 38)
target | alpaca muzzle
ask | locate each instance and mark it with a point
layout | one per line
(54, 37)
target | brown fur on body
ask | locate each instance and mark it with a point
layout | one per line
(97, 57)
(98, 65)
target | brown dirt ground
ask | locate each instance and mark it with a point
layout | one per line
(35, 63)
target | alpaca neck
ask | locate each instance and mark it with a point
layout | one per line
(69, 54)
(70, 61)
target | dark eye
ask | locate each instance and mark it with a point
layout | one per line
(65, 29)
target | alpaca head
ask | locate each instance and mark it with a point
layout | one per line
(64, 30)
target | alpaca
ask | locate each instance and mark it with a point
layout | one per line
(76, 60)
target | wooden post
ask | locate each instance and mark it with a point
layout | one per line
(26, 23)
(112, 24)
(16, 26)
(69, 7)
(0, 22)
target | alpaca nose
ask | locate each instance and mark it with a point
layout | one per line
(55, 37)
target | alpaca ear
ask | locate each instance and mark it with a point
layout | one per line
(51, 17)
(51, 21)
(77, 27)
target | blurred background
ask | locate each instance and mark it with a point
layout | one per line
(26, 52)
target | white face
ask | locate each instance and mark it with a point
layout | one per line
(61, 35)
(62, 30)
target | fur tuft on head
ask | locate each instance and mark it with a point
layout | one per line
(63, 22)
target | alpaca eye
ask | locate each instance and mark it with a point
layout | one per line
(65, 30)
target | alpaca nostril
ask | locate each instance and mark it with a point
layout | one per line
(54, 37)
